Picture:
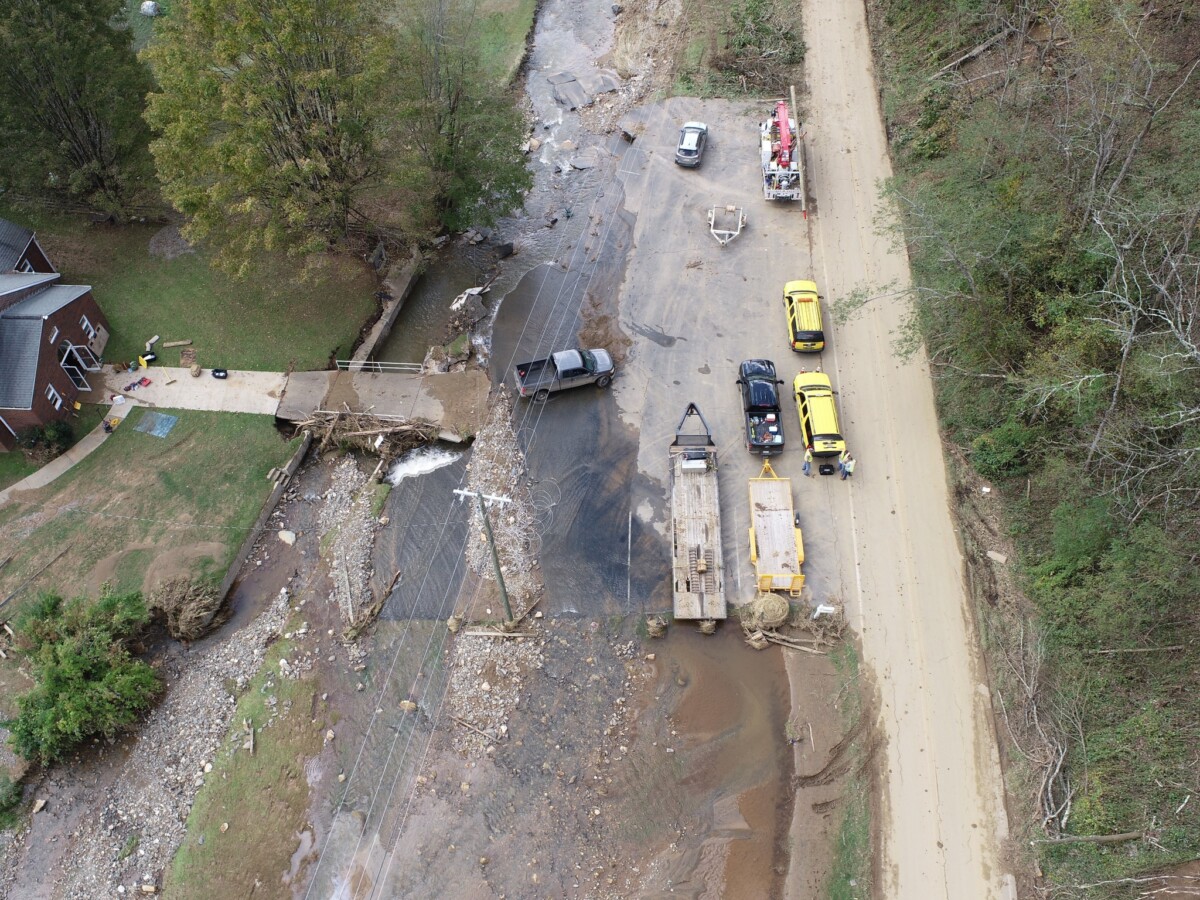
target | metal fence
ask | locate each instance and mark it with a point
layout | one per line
(377, 367)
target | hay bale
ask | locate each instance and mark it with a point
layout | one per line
(766, 611)
(656, 626)
(185, 608)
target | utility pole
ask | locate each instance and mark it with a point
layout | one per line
(487, 527)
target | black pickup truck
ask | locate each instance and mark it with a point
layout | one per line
(760, 400)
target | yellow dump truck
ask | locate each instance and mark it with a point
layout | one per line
(776, 545)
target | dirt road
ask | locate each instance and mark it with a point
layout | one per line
(942, 817)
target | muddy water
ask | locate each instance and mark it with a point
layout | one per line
(596, 559)
(722, 708)
(690, 799)
(423, 541)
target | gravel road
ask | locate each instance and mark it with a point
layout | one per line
(942, 817)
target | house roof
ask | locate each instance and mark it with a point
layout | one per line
(45, 302)
(19, 281)
(13, 241)
(20, 344)
(21, 332)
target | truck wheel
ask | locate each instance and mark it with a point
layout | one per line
(603, 381)
(540, 396)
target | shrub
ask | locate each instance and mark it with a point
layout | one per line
(10, 799)
(58, 435)
(1004, 451)
(30, 438)
(87, 682)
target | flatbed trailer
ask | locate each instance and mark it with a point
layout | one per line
(697, 560)
(776, 545)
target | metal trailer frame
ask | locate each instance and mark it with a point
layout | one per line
(697, 557)
(725, 235)
(776, 544)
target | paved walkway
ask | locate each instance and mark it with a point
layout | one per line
(175, 388)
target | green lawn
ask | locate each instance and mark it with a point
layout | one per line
(15, 465)
(503, 27)
(142, 505)
(266, 322)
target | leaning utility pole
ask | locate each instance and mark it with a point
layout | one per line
(487, 528)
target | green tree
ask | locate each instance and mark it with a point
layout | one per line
(71, 101)
(465, 129)
(269, 119)
(87, 682)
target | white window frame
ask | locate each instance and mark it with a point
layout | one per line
(25, 267)
(87, 328)
(54, 396)
(54, 335)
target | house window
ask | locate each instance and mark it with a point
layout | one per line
(25, 266)
(53, 396)
(87, 327)
(54, 334)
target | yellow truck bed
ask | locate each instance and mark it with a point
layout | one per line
(776, 545)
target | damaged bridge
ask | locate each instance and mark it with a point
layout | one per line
(455, 402)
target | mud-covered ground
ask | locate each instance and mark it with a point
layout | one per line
(575, 756)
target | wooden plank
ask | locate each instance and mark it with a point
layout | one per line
(697, 554)
(772, 517)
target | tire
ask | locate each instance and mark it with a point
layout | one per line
(541, 396)
(603, 381)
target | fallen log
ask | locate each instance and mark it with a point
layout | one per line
(1092, 838)
(1139, 650)
(499, 634)
(971, 54)
(465, 724)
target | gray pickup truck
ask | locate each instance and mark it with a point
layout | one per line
(565, 369)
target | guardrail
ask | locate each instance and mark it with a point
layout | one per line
(377, 367)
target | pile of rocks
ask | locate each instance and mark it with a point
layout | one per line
(487, 680)
(346, 514)
(497, 468)
(147, 807)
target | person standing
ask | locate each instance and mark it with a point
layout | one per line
(846, 465)
(808, 459)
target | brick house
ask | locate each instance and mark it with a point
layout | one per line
(51, 336)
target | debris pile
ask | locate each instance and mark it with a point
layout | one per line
(487, 681)
(387, 438)
(187, 608)
(348, 532)
(497, 469)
